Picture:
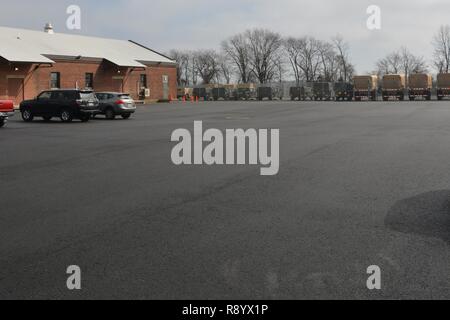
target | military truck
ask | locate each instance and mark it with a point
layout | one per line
(420, 86)
(201, 93)
(443, 85)
(246, 91)
(365, 87)
(394, 86)
(322, 91)
(230, 91)
(186, 93)
(343, 91)
(300, 93)
(295, 93)
(219, 93)
(265, 93)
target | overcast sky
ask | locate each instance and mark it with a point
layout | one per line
(191, 24)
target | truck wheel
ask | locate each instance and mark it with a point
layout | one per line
(27, 115)
(66, 116)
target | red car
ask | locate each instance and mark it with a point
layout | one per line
(6, 110)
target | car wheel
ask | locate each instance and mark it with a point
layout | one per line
(110, 115)
(126, 116)
(27, 115)
(66, 116)
(2, 122)
(85, 118)
(47, 118)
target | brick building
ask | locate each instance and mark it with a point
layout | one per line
(33, 61)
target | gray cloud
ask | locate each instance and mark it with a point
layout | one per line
(201, 23)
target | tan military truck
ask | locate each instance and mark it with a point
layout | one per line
(394, 86)
(184, 93)
(365, 87)
(443, 85)
(420, 86)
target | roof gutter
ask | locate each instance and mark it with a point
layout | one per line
(142, 46)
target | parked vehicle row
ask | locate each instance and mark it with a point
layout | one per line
(362, 87)
(391, 86)
(77, 104)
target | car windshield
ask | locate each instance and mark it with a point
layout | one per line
(87, 95)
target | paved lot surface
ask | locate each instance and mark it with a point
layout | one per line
(360, 184)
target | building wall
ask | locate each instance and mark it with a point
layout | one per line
(107, 77)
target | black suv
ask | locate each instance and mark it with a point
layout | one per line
(65, 104)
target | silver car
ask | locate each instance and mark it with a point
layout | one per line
(114, 104)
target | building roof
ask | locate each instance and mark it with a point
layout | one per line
(21, 45)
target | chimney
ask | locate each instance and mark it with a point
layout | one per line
(49, 28)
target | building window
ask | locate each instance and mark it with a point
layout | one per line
(89, 81)
(55, 80)
(143, 81)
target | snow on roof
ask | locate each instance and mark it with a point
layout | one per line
(20, 45)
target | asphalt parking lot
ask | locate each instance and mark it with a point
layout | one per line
(360, 184)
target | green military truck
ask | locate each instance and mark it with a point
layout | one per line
(322, 91)
(343, 91)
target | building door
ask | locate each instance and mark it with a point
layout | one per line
(165, 81)
(117, 85)
(16, 90)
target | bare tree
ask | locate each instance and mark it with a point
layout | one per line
(328, 60)
(441, 43)
(391, 64)
(225, 69)
(280, 69)
(183, 60)
(207, 65)
(237, 49)
(346, 69)
(411, 63)
(292, 49)
(402, 61)
(264, 46)
(309, 58)
(193, 68)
